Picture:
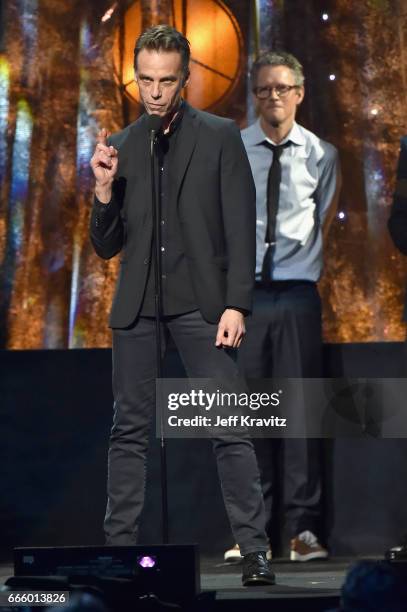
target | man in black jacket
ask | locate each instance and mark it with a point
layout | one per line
(207, 254)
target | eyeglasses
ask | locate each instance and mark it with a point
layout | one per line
(265, 92)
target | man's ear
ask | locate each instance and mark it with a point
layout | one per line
(300, 94)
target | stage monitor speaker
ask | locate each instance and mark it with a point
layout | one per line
(169, 571)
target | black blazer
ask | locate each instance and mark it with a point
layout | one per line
(215, 194)
(398, 217)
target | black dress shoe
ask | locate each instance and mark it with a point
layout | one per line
(257, 570)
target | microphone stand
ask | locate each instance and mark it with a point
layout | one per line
(154, 126)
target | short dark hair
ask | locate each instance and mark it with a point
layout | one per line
(164, 38)
(278, 58)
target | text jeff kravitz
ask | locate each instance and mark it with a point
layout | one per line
(230, 421)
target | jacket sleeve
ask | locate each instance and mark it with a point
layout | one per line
(106, 225)
(239, 215)
(397, 223)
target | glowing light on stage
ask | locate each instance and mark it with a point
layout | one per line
(341, 215)
(374, 112)
(87, 129)
(87, 126)
(4, 108)
(76, 253)
(109, 13)
(147, 562)
(332, 77)
(29, 16)
(375, 186)
(29, 27)
(85, 40)
(20, 172)
(324, 16)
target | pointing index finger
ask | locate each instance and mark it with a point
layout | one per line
(102, 136)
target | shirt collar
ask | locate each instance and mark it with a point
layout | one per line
(257, 136)
(175, 123)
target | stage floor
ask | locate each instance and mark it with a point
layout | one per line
(313, 579)
(316, 576)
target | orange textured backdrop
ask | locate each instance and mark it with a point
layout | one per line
(61, 79)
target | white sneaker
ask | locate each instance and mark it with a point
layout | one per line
(305, 547)
(233, 554)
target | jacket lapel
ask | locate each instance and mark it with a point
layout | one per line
(186, 142)
(137, 167)
(140, 151)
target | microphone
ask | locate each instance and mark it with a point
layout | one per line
(154, 123)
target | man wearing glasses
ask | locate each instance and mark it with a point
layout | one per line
(297, 184)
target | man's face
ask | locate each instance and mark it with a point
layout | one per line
(160, 79)
(277, 110)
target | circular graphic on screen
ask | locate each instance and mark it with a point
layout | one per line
(216, 49)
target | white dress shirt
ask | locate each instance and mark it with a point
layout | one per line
(309, 175)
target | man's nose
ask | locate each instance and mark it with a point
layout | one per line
(156, 91)
(273, 93)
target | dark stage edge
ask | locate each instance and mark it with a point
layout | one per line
(314, 585)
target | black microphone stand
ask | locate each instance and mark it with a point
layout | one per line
(154, 125)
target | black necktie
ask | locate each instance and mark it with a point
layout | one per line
(273, 195)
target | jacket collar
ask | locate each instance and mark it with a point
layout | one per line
(186, 142)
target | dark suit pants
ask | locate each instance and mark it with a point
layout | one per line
(284, 340)
(134, 395)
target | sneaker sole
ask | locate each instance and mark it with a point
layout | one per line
(294, 556)
(233, 556)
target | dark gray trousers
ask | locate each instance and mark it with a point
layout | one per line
(134, 401)
(284, 340)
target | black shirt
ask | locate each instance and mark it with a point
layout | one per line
(177, 292)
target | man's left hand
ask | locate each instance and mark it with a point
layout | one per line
(231, 329)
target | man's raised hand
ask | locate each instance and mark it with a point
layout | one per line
(104, 166)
